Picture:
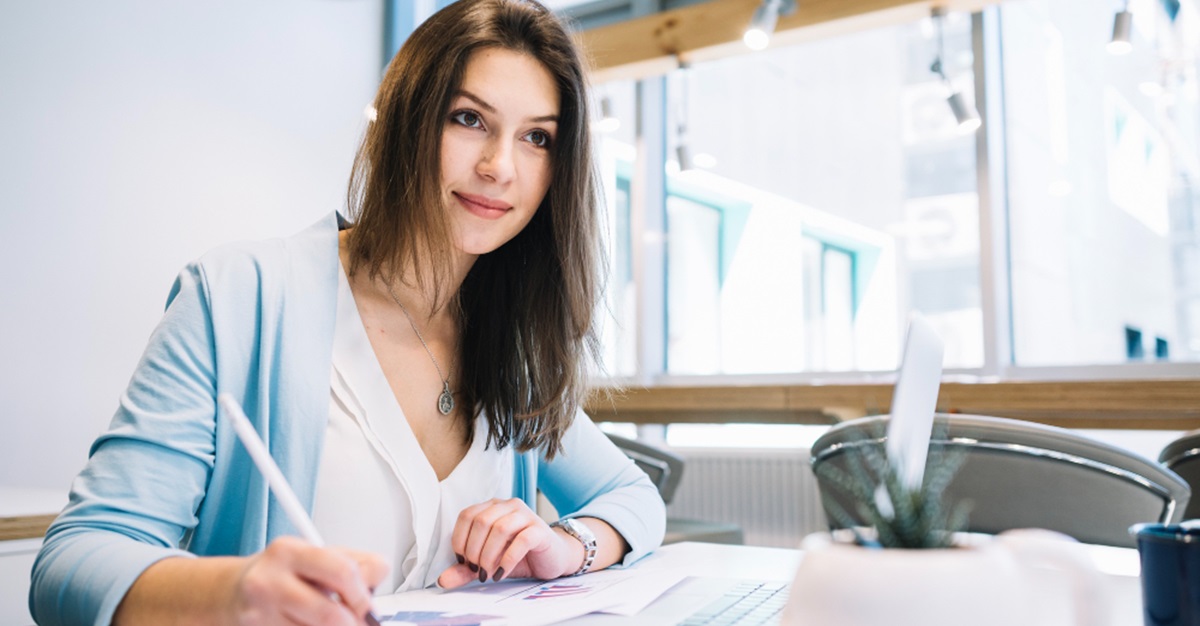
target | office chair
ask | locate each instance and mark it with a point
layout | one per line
(1182, 456)
(1020, 474)
(665, 469)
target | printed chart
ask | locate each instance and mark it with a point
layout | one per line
(526, 602)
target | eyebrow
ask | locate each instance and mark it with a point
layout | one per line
(483, 104)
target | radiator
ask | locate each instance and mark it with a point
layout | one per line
(771, 493)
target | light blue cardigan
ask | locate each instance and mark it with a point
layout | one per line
(168, 479)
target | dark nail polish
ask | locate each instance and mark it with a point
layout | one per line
(460, 558)
(474, 567)
(498, 575)
(482, 575)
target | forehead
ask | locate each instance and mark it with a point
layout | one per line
(513, 82)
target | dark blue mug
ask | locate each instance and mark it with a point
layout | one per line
(1170, 556)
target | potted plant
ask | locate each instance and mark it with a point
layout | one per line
(895, 515)
(903, 560)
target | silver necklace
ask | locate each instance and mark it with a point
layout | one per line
(445, 402)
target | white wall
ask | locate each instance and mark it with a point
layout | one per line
(135, 135)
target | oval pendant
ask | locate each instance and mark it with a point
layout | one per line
(445, 400)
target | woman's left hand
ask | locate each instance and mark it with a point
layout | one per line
(501, 539)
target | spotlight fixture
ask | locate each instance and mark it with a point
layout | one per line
(964, 114)
(762, 25)
(609, 122)
(683, 154)
(1122, 28)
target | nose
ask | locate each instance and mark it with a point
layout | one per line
(496, 161)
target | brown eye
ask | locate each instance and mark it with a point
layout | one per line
(470, 119)
(539, 138)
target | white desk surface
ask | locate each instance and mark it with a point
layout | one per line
(1119, 566)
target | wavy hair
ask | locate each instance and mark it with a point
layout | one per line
(526, 310)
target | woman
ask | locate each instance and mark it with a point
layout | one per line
(417, 375)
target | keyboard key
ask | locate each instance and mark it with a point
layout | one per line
(749, 603)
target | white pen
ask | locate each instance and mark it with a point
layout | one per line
(275, 479)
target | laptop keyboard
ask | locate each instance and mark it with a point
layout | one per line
(749, 603)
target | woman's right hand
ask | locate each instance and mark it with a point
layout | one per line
(290, 582)
(295, 582)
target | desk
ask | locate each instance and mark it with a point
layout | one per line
(1119, 566)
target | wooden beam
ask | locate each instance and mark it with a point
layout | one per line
(24, 526)
(655, 44)
(1123, 404)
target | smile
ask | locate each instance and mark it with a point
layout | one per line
(482, 206)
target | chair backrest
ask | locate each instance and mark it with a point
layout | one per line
(1182, 456)
(1020, 474)
(664, 468)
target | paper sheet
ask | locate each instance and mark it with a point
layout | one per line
(530, 602)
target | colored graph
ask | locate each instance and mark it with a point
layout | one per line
(435, 618)
(557, 591)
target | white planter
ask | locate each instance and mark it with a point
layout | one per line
(999, 581)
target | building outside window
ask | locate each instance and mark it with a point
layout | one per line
(1103, 170)
(827, 192)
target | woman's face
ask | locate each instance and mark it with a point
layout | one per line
(496, 147)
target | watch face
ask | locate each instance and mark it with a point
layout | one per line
(584, 533)
(580, 531)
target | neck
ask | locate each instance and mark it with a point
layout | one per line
(418, 296)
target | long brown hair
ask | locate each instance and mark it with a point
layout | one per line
(526, 309)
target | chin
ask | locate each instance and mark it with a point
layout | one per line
(477, 240)
(481, 245)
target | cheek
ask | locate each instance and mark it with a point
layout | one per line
(446, 165)
(538, 180)
(453, 159)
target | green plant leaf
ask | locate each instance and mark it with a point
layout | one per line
(919, 518)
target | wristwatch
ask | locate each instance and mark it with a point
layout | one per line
(580, 531)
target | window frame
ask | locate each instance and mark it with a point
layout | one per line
(648, 236)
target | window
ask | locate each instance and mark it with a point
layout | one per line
(1103, 170)
(615, 107)
(829, 190)
(812, 195)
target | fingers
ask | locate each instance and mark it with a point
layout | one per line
(371, 567)
(335, 572)
(511, 562)
(456, 576)
(292, 581)
(484, 533)
(304, 604)
(493, 538)
(462, 530)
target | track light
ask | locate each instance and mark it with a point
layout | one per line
(609, 122)
(683, 154)
(762, 25)
(965, 115)
(1122, 27)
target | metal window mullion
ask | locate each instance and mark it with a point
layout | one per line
(992, 183)
(648, 229)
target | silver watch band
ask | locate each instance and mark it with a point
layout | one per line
(580, 531)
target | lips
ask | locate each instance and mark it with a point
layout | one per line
(482, 206)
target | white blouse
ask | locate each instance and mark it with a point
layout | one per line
(376, 491)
